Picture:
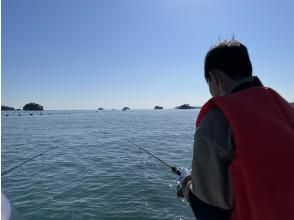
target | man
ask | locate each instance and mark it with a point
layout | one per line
(243, 157)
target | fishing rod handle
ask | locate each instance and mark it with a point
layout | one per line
(176, 170)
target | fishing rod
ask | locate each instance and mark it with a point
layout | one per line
(173, 168)
(28, 160)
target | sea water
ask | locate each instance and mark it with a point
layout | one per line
(95, 173)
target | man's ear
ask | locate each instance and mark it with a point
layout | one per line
(217, 74)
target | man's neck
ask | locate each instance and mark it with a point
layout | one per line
(247, 82)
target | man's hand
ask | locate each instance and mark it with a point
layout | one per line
(183, 182)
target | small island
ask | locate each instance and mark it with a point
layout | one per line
(185, 106)
(6, 108)
(100, 109)
(158, 107)
(125, 108)
(33, 107)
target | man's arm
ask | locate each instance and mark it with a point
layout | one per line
(210, 192)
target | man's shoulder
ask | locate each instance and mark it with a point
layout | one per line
(213, 119)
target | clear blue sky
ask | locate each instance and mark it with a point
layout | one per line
(85, 54)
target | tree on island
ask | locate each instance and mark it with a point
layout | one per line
(125, 108)
(32, 107)
(6, 108)
(158, 107)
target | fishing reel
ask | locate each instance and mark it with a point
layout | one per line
(180, 192)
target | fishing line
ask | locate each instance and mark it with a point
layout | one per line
(173, 168)
(28, 160)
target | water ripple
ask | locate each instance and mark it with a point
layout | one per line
(97, 174)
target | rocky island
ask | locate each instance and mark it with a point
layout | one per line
(158, 107)
(6, 108)
(100, 109)
(185, 106)
(32, 107)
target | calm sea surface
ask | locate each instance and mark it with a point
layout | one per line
(95, 173)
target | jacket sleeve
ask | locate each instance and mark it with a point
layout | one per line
(210, 193)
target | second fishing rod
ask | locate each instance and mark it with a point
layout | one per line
(173, 168)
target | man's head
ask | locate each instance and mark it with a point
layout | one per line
(225, 64)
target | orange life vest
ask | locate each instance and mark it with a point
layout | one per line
(262, 172)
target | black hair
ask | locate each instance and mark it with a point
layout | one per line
(229, 56)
